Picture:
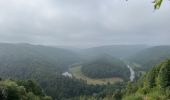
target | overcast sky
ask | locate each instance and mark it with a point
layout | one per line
(84, 22)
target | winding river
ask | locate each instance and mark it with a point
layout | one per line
(132, 73)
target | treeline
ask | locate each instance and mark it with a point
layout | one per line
(105, 67)
(58, 87)
(109, 92)
(55, 85)
(62, 88)
(65, 88)
(21, 90)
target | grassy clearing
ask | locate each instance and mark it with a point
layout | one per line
(76, 72)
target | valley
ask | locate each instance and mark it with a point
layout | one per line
(84, 50)
(66, 74)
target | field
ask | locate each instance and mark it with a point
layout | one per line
(76, 72)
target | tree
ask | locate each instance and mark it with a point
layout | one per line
(163, 80)
(150, 79)
(11, 90)
(32, 86)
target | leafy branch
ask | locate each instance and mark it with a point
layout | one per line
(157, 4)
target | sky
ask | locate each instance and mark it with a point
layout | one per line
(84, 23)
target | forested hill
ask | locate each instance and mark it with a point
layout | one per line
(105, 66)
(117, 51)
(25, 61)
(150, 57)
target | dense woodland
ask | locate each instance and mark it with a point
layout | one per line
(34, 72)
(21, 90)
(105, 67)
(33, 59)
(60, 88)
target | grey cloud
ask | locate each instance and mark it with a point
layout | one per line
(83, 22)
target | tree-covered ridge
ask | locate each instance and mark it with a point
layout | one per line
(105, 67)
(150, 57)
(21, 90)
(26, 61)
(117, 51)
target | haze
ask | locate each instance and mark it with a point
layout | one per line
(84, 23)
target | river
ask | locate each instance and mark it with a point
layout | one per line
(132, 73)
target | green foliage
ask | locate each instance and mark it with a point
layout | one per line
(31, 86)
(157, 4)
(150, 78)
(105, 67)
(156, 95)
(25, 61)
(60, 87)
(10, 90)
(45, 66)
(130, 88)
(163, 79)
(47, 98)
(87, 98)
(156, 84)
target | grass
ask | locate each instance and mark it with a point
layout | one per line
(76, 72)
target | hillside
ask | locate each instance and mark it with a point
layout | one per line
(97, 78)
(117, 51)
(151, 57)
(24, 61)
(105, 66)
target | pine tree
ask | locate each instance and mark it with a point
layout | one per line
(163, 79)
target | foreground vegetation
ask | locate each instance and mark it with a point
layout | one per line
(21, 90)
(155, 85)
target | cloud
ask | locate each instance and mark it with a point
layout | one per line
(84, 22)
